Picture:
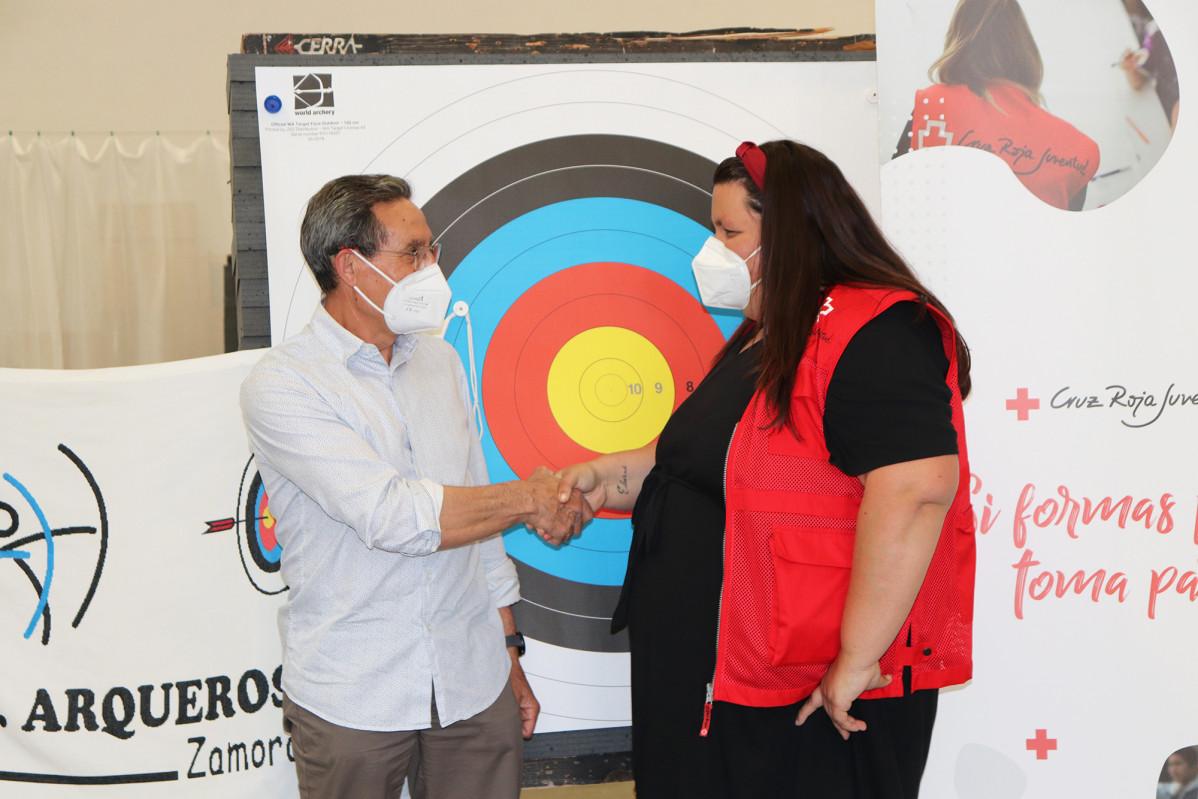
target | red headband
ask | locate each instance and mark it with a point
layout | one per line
(754, 160)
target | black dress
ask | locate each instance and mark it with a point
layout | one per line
(674, 587)
(672, 590)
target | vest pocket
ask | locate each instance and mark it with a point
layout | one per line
(811, 580)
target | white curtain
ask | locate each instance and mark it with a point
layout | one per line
(112, 257)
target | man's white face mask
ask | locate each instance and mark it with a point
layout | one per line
(722, 276)
(417, 302)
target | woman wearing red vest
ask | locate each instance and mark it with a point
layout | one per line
(986, 96)
(800, 581)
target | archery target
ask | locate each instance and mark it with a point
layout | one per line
(256, 543)
(576, 267)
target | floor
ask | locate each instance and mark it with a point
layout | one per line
(602, 790)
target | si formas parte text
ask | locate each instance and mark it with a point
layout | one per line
(1065, 512)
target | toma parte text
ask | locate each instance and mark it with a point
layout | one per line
(1036, 580)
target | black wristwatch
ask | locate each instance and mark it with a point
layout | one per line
(516, 640)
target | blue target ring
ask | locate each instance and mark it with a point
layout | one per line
(530, 248)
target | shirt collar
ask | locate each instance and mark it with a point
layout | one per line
(345, 346)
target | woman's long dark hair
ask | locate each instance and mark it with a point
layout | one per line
(815, 233)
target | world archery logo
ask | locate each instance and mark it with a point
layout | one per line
(314, 90)
(22, 552)
(260, 551)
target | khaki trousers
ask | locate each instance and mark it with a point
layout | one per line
(477, 758)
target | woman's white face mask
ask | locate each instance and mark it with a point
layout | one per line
(417, 302)
(723, 276)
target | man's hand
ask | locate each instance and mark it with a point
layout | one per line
(530, 708)
(838, 690)
(554, 520)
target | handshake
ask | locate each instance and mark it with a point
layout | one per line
(559, 507)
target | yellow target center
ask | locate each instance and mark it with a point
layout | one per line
(610, 389)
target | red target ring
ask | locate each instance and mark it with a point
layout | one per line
(581, 298)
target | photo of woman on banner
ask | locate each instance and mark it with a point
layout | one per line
(986, 95)
(1079, 120)
(800, 580)
(1179, 775)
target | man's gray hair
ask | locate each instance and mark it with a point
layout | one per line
(339, 217)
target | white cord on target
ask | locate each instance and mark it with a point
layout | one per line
(460, 308)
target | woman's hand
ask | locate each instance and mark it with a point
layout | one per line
(611, 481)
(1131, 64)
(898, 525)
(837, 691)
(586, 478)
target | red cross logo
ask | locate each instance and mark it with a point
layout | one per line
(1022, 404)
(1042, 744)
(941, 136)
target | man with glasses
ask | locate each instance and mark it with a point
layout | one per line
(361, 427)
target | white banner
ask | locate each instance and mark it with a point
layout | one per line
(1084, 409)
(137, 588)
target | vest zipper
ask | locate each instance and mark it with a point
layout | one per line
(709, 700)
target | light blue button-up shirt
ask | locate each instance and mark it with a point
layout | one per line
(353, 453)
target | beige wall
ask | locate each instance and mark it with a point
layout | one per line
(143, 65)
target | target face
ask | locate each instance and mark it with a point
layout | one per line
(576, 267)
(256, 543)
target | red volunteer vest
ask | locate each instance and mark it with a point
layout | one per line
(1053, 159)
(790, 526)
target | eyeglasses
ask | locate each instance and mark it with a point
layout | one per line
(421, 256)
